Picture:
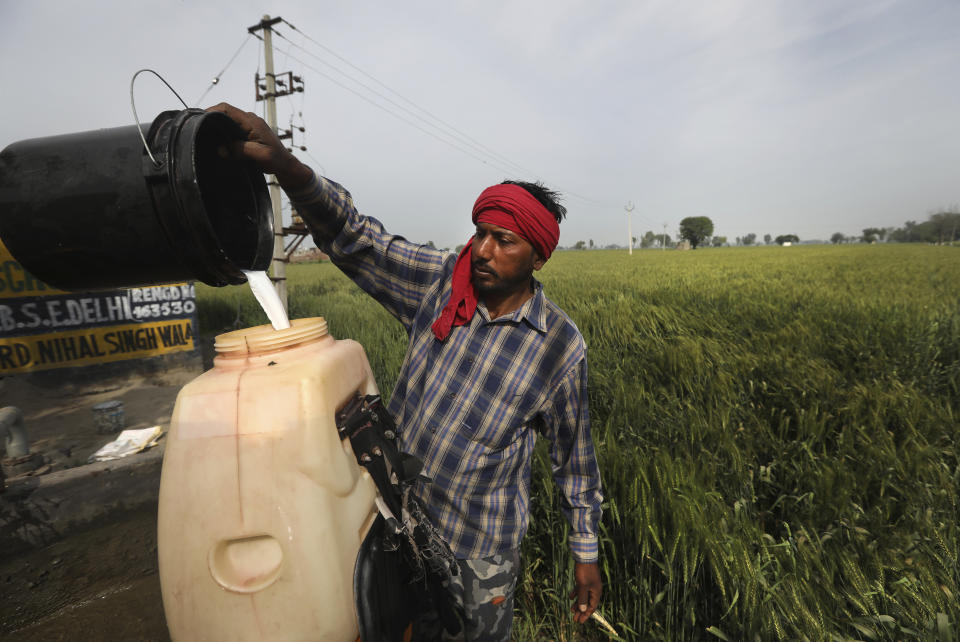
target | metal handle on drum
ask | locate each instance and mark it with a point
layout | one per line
(134, 108)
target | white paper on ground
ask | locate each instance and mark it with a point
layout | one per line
(128, 443)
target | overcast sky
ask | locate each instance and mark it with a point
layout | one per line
(807, 117)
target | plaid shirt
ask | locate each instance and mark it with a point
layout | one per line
(470, 407)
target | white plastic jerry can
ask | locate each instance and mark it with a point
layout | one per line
(262, 507)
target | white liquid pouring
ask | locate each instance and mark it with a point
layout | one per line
(268, 298)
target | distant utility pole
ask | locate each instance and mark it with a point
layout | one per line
(278, 266)
(629, 208)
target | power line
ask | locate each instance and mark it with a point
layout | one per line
(216, 79)
(451, 128)
(458, 137)
(399, 117)
(455, 143)
(493, 159)
(464, 138)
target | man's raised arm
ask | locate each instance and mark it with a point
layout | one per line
(266, 150)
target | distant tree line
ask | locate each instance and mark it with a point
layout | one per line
(649, 239)
(942, 227)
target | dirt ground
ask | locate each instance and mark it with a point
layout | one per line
(60, 421)
(98, 584)
(101, 582)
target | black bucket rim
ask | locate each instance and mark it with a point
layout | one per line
(173, 139)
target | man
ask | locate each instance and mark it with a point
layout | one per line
(490, 362)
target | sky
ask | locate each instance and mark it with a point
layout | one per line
(769, 117)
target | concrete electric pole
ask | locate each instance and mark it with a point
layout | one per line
(278, 266)
(629, 209)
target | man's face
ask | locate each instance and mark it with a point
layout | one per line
(503, 261)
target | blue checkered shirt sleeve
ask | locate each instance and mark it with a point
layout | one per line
(394, 271)
(574, 462)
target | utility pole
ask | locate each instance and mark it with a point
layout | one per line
(629, 208)
(278, 266)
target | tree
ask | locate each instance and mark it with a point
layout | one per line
(787, 238)
(696, 229)
(767, 238)
(945, 226)
(925, 232)
(909, 233)
(749, 239)
(941, 227)
(837, 238)
(591, 244)
(909, 230)
(870, 234)
(719, 241)
(648, 239)
(663, 240)
(579, 245)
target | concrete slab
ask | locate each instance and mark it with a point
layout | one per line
(36, 511)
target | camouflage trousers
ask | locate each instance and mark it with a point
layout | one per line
(484, 590)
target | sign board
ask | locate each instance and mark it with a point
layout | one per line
(43, 328)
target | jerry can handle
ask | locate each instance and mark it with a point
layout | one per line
(136, 119)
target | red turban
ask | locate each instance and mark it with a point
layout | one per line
(510, 207)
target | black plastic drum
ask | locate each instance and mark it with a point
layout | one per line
(91, 210)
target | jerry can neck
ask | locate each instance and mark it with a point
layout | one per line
(262, 339)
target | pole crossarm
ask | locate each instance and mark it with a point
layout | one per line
(266, 23)
(286, 81)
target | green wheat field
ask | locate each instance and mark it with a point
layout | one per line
(777, 430)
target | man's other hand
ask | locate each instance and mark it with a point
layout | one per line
(262, 146)
(588, 587)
